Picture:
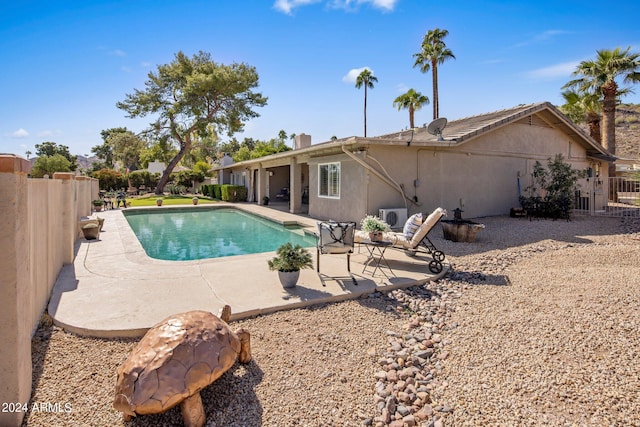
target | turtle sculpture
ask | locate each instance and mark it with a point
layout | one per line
(176, 359)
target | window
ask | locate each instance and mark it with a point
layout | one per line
(329, 180)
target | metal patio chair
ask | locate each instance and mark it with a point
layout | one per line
(336, 238)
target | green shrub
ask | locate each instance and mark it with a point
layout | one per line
(176, 189)
(110, 179)
(146, 178)
(552, 194)
(291, 258)
(187, 177)
(217, 191)
(234, 193)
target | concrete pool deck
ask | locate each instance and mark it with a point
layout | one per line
(113, 289)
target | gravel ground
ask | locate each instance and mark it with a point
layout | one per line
(537, 324)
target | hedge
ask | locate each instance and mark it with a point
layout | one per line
(234, 193)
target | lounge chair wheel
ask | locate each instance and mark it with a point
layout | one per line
(435, 266)
(438, 256)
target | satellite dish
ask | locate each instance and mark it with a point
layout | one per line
(436, 127)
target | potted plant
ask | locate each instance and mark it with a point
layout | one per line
(194, 200)
(97, 204)
(374, 226)
(158, 202)
(265, 200)
(288, 262)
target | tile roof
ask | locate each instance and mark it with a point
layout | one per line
(462, 130)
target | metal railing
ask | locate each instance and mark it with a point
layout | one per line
(618, 197)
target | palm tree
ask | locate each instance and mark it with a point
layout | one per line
(366, 79)
(583, 108)
(411, 100)
(433, 52)
(599, 76)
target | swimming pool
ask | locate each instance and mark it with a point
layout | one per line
(189, 234)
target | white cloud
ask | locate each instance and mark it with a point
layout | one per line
(353, 74)
(386, 5)
(286, 6)
(20, 133)
(125, 69)
(551, 72)
(118, 52)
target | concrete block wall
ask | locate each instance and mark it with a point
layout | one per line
(38, 230)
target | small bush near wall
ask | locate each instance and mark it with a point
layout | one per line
(552, 194)
(217, 191)
(234, 193)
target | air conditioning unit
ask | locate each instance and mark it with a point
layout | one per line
(395, 217)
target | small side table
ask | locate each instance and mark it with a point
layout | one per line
(376, 251)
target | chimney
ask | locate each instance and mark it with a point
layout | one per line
(302, 141)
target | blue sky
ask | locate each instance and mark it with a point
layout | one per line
(66, 63)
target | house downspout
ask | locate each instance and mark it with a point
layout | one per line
(384, 178)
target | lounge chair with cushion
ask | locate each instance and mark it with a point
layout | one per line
(336, 238)
(414, 238)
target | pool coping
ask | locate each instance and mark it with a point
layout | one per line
(113, 289)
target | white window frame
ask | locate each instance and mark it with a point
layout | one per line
(332, 169)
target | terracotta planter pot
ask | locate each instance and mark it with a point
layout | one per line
(159, 202)
(375, 236)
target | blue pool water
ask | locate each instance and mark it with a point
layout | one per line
(189, 234)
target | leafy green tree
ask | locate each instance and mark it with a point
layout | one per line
(601, 76)
(47, 165)
(104, 151)
(412, 101)
(230, 147)
(267, 148)
(126, 147)
(189, 96)
(242, 154)
(366, 79)
(433, 52)
(203, 168)
(50, 149)
(160, 150)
